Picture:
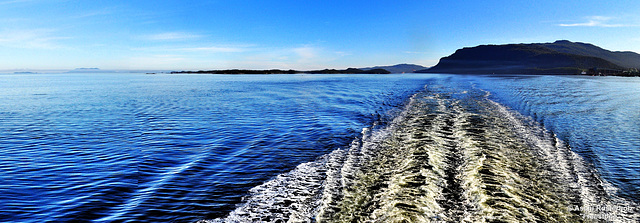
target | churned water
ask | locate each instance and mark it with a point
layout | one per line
(318, 148)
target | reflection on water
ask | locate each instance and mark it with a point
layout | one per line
(150, 148)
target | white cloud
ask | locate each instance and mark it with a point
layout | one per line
(13, 20)
(595, 21)
(306, 52)
(13, 1)
(301, 57)
(256, 63)
(31, 39)
(101, 12)
(198, 48)
(342, 53)
(215, 49)
(172, 36)
(247, 56)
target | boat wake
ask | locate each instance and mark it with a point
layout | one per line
(451, 155)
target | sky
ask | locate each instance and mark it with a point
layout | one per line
(296, 34)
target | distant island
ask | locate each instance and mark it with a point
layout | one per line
(276, 71)
(560, 57)
(398, 68)
(237, 71)
(349, 71)
(393, 69)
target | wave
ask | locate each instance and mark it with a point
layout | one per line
(451, 155)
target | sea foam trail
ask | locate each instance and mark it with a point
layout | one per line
(450, 156)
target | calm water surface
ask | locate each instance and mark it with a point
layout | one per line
(182, 148)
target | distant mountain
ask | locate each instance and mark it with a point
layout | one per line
(560, 57)
(398, 68)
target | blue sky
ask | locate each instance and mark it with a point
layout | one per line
(187, 34)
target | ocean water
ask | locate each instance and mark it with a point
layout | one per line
(318, 148)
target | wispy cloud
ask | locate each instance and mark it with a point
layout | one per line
(295, 57)
(12, 21)
(197, 48)
(100, 12)
(31, 39)
(172, 36)
(305, 52)
(215, 49)
(342, 53)
(596, 21)
(228, 56)
(13, 1)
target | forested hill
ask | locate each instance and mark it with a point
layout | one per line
(398, 68)
(560, 57)
(625, 59)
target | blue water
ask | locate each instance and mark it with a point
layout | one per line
(170, 147)
(599, 117)
(181, 148)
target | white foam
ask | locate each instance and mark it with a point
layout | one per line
(574, 171)
(334, 187)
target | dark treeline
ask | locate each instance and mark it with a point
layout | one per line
(631, 72)
(276, 71)
(348, 71)
(237, 71)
